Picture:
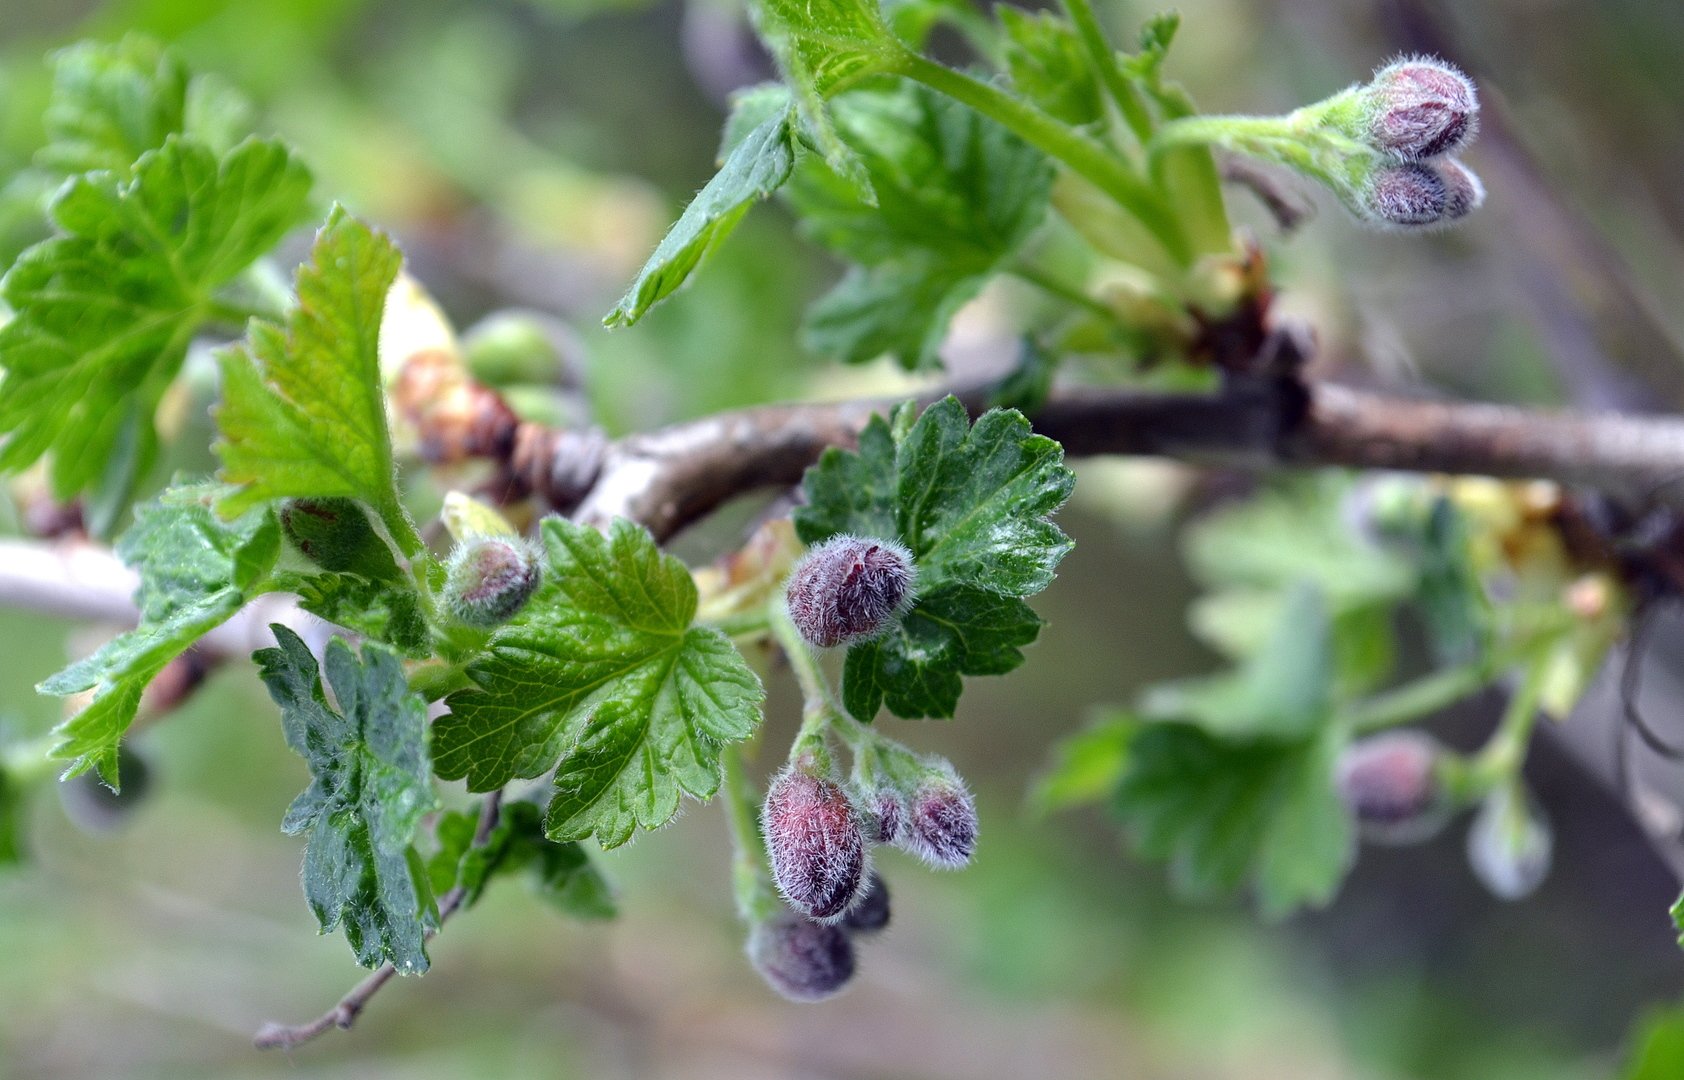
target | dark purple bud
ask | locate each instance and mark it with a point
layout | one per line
(870, 912)
(1463, 193)
(886, 820)
(816, 843)
(490, 579)
(1408, 195)
(1421, 109)
(801, 959)
(849, 588)
(942, 825)
(1390, 783)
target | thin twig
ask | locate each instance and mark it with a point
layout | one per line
(344, 1013)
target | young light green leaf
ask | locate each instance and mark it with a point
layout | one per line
(972, 504)
(388, 611)
(1657, 1053)
(603, 673)
(1048, 65)
(1228, 812)
(955, 195)
(112, 102)
(826, 45)
(196, 570)
(1284, 690)
(753, 170)
(105, 310)
(370, 787)
(1087, 766)
(302, 413)
(562, 873)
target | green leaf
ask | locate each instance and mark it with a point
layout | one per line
(602, 672)
(1283, 690)
(12, 824)
(972, 504)
(753, 170)
(1658, 1050)
(386, 611)
(1087, 766)
(1049, 66)
(370, 787)
(955, 195)
(1231, 812)
(825, 45)
(196, 571)
(562, 873)
(113, 102)
(104, 311)
(302, 413)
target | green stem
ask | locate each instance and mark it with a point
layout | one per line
(757, 898)
(1505, 751)
(1061, 289)
(1423, 697)
(1104, 62)
(1080, 153)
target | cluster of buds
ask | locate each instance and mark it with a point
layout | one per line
(805, 959)
(1416, 114)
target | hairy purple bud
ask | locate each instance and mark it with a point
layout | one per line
(816, 843)
(801, 959)
(1390, 784)
(942, 824)
(490, 579)
(849, 588)
(1510, 844)
(1409, 195)
(1419, 109)
(886, 817)
(1463, 193)
(870, 912)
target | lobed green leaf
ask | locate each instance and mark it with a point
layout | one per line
(563, 874)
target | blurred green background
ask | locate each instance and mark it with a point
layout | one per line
(529, 154)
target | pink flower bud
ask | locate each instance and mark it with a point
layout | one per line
(848, 589)
(1390, 784)
(1421, 109)
(886, 820)
(870, 912)
(1408, 195)
(1463, 193)
(801, 959)
(943, 824)
(816, 843)
(490, 579)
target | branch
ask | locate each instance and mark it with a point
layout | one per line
(344, 1013)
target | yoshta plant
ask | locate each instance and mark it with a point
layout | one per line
(588, 681)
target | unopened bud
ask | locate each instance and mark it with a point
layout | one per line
(849, 588)
(1510, 844)
(942, 824)
(1419, 109)
(801, 959)
(1463, 192)
(870, 912)
(490, 579)
(1390, 783)
(1410, 195)
(335, 534)
(816, 843)
(886, 816)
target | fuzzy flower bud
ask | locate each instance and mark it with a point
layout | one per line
(816, 843)
(1510, 844)
(801, 959)
(1419, 109)
(870, 912)
(1409, 196)
(942, 824)
(886, 816)
(1463, 192)
(490, 578)
(849, 588)
(1390, 783)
